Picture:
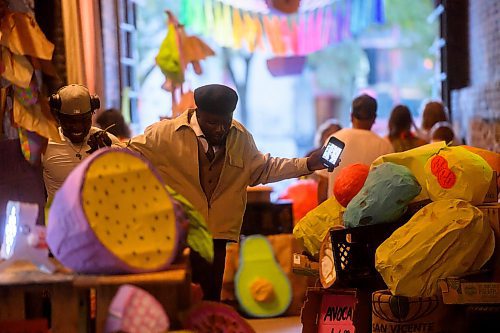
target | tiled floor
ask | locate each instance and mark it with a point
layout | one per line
(277, 325)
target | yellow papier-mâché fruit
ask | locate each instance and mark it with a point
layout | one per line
(313, 227)
(414, 159)
(445, 238)
(129, 210)
(457, 173)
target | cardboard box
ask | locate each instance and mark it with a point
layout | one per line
(304, 266)
(406, 314)
(334, 310)
(459, 291)
(268, 218)
(492, 215)
(492, 194)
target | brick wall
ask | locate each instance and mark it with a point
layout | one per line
(477, 107)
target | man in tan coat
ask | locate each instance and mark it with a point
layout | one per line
(210, 158)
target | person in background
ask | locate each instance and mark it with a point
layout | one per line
(210, 158)
(73, 106)
(442, 131)
(361, 144)
(400, 134)
(325, 130)
(304, 191)
(432, 113)
(114, 118)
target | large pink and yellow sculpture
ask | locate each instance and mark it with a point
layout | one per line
(113, 215)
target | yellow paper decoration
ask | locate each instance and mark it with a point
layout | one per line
(22, 36)
(33, 119)
(17, 68)
(414, 159)
(169, 59)
(261, 286)
(238, 29)
(209, 17)
(457, 173)
(251, 30)
(313, 227)
(219, 24)
(445, 238)
(132, 214)
(227, 29)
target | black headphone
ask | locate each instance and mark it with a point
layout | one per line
(56, 103)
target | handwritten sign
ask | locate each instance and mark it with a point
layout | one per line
(336, 314)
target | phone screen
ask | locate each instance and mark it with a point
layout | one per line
(332, 152)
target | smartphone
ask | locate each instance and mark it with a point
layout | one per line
(331, 152)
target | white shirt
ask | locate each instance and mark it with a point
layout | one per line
(199, 133)
(61, 158)
(361, 146)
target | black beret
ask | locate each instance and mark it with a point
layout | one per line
(215, 98)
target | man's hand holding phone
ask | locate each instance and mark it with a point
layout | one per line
(331, 152)
(314, 161)
(327, 156)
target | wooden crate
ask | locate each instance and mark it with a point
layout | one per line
(171, 288)
(336, 310)
(21, 279)
(69, 295)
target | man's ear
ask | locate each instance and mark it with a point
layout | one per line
(354, 121)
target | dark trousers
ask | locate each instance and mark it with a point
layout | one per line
(208, 275)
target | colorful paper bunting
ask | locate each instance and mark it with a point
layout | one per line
(246, 24)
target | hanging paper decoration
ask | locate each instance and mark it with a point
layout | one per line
(284, 6)
(286, 33)
(25, 53)
(238, 29)
(209, 18)
(302, 35)
(290, 28)
(281, 66)
(294, 37)
(178, 49)
(219, 24)
(32, 145)
(168, 58)
(327, 27)
(318, 27)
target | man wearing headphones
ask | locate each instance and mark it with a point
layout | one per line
(74, 107)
